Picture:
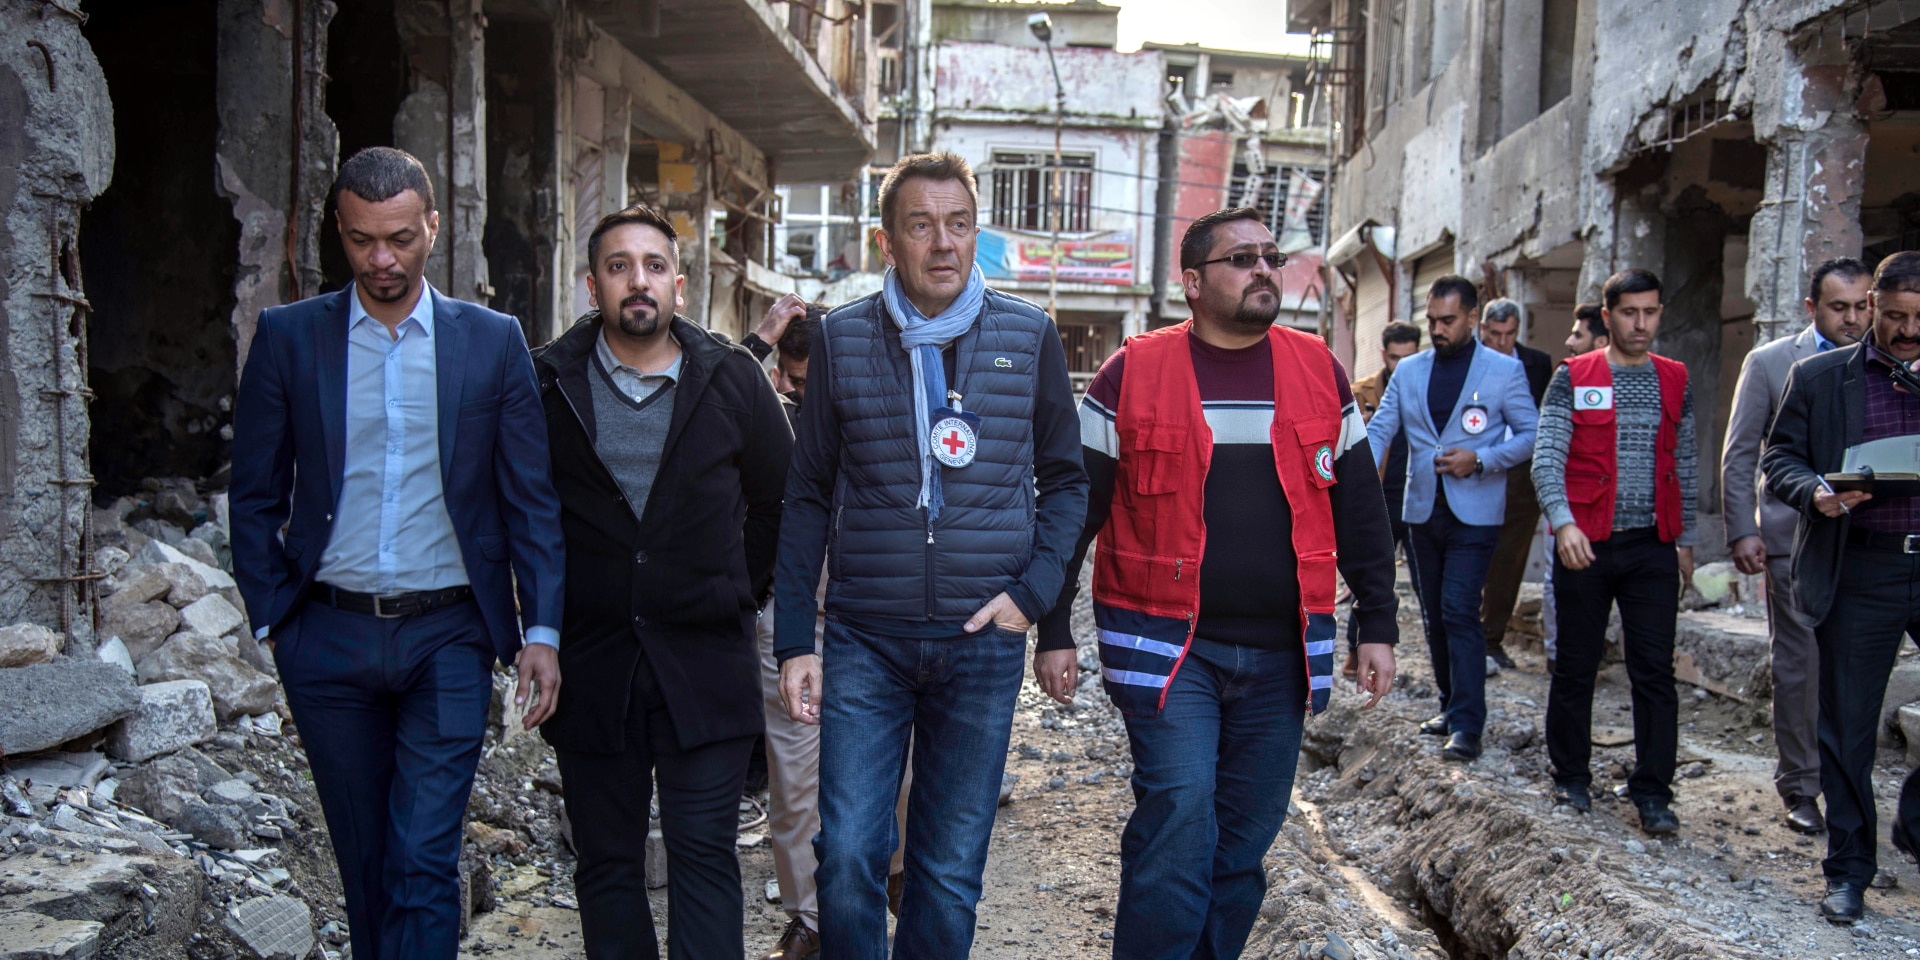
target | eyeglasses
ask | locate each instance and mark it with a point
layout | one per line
(1244, 261)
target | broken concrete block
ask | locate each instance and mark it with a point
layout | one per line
(273, 928)
(184, 585)
(213, 616)
(157, 552)
(139, 583)
(141, 624)
(1903, 687)
(168, 716)
(199, 551)
(48, 704)
(219, 824)
(114, 651)
(656, 865)
(33, 936)
(237, 688)
(24, 644)
(162, 788)
(111, 560)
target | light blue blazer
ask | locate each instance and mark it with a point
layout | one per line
(1495, 382)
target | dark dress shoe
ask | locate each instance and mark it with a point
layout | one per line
(1573, 795)
(1902, 842)
(1436, 726)
(1500, 657)
(798, 942)
(1657, 819)
(1462, 746)
(1844, 902)
(1803, 816)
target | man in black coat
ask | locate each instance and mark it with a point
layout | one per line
(1500, 332)
(670, 454)
(1856, 558)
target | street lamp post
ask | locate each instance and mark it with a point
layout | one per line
(1042, 26)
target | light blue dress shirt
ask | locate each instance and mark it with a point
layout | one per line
(393, 533)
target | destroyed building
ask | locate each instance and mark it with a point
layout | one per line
(164, 172)
(1537, 146)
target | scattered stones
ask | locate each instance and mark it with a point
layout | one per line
(273, 928)
(212, 615)
(167, 716)
(113, 650)
(219, 824)
(25, 644)
(141, 624)
(184, 586)
(236, 687)
(48, 704)
(494, 840)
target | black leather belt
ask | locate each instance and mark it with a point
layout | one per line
(1892, 542)
(389, 606)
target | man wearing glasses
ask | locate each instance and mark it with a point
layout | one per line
(1229, 467)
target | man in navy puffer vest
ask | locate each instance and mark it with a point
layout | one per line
(937, 471)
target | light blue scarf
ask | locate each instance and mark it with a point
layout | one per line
(923, 338)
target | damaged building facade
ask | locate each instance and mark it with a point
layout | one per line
(164, 172)
(1537, 146)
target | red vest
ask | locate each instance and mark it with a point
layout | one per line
(1592, 469)
(1148, 554)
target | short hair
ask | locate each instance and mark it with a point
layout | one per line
(638, 213)
(1500, 311)
(1846, 268)
(377, 174)
(1399, 331)
(1899, 273)
(1589, 314)
(1456, 286)
(1198, 240)
(1630, 280)
(797, 341)
(926, 166)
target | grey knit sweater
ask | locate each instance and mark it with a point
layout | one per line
(1636, 401)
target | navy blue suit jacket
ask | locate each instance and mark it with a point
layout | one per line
(289, 451)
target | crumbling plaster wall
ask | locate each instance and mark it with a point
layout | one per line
(56, 155)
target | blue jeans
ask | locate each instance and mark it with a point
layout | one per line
(1450, 561)
(953, 701)
(1211, 779)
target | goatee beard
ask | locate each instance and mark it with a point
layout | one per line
(638, 326)
(1250, 319)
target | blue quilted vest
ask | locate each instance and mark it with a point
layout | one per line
(884, 560)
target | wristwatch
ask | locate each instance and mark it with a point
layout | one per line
(1477, 465)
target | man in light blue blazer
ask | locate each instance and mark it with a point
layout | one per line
(1468, 418)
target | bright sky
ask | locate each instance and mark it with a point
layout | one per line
(1258, 25)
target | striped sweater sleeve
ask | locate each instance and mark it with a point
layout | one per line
(1550, 447)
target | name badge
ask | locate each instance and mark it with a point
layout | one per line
(955, 433)
(1474, 420)
(1593, 398)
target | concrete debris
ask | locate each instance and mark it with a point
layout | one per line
(273, 928)
(212, 615)
(33, 936)
(25, 644)
(184, 586)
(220, 825)
(48, 704)
(1903, 687)
(157, 552)
(237, 688)
(493, 840)
(110, 560)
(141, 624)
(168, 716)
(114, 651)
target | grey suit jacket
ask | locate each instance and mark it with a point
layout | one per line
(1744, 500)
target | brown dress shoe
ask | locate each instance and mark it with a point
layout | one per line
(1352, 669)
(895, 883)
(798, 942)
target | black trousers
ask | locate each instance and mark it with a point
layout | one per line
(607, 796)
(1633, 568)
(1878, 601)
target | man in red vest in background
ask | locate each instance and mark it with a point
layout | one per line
(1229, 468)
(1617, 475)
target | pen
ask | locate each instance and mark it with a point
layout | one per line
(1828, 488)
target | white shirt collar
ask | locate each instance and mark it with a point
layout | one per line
(422, 309)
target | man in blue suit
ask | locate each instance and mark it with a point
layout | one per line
(1469, 418)
(397, 436)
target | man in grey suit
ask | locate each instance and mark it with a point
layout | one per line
(1761, 534)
